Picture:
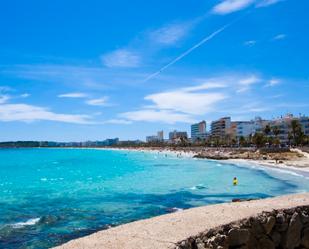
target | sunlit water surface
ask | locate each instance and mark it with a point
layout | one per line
(49, 196)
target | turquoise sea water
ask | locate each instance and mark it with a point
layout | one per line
(49, 196)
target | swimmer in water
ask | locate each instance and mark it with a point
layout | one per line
(235, 181)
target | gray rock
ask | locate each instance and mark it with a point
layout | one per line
(257, 229)
(304, 217)
(280, 218)
(252, 243)
(200, 246)
(266, 243)
(293, 234)
(270, 223)
(276, 238)
(305, 238)
(290, 211)
(217, 240)
(243, 247)
(282, 227)
(238, 237)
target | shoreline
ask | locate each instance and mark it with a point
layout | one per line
(292, 165)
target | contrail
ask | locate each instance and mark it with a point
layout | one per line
(206, 39)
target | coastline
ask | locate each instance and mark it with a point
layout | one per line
(299, 166)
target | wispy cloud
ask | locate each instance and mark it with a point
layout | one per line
(229, 6)
(72, 75)
(279, 37)
(4, 98)
(209, 84)
(103, 101)
(117, 121)
(250, 43)
(25, 95)
(265, 3)
(245, 83)
(4, 89)
(273, 82)
(122, 58)
(83, 77)
(170, 34)
(73, 95)
(30, 113)
(163, 116)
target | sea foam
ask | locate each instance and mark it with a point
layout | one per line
(29, 222)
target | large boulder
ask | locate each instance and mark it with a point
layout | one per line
(269, 225)
(293, 234)
(238, 237)
(305, 238)
(266, 243)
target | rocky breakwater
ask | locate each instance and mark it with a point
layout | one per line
(282, 229)
(249, 154)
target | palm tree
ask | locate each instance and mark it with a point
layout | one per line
(267, 130)
(276, 131)
(300, 137)
(295, 126)
(242, 141)
(290, 137)
(259, 139)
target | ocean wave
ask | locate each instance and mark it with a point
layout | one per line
(29, 222)
(199, 186)
(174, 209)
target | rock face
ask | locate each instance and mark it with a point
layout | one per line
(282, 229)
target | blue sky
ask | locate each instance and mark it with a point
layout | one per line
(89, 70)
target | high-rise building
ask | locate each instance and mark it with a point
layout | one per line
(198, 131)
(160, 135)
(174, 135)
(241, 129)
(304, 122)
(221, 127)
(284, 125)
(156, 138)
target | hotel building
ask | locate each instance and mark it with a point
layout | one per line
(156, 138)
(198, 131)
(177, 135)
(221, 127)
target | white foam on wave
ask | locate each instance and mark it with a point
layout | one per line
(176, 209)
(270, 168)
(198, 186)
(29, 222)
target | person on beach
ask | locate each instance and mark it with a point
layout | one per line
(235, 181)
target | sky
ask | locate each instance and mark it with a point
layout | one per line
(89, 70)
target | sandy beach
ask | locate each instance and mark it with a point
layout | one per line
(297, 162)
